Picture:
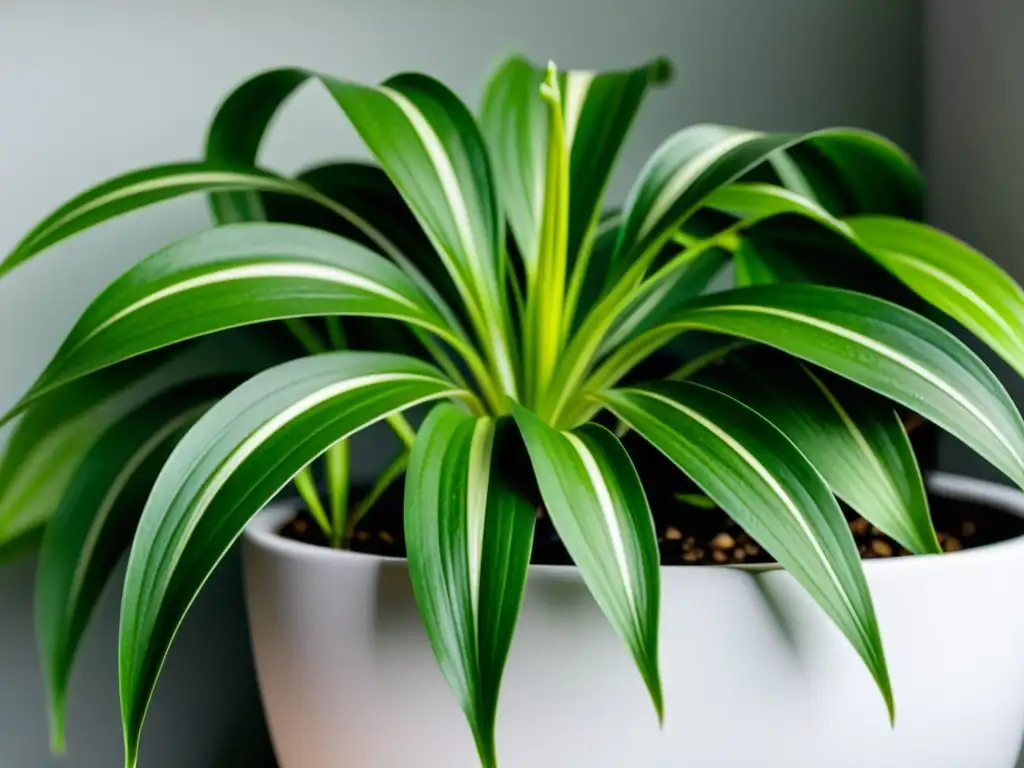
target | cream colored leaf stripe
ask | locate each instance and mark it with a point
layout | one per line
(856, 434)
(264, 270)
(251, 444)
(577, 88)
(875, 346)
(442, 164)
(685, 175)
(773, 484)
(477, 484)
(197, 178)
(611, 519)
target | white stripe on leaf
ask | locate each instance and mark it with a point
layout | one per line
(477, 483)
(685, 175)
(608, 514)
(884, 351)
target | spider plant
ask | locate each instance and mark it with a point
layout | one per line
(489, 282)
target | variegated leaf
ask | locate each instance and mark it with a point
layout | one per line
(594, 497)
(227, 277)
(754, 473)
(234, 460)
(469, 533)
(879, 345)
(854, 438)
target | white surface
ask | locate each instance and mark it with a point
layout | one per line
(91, 88)
(753, 672)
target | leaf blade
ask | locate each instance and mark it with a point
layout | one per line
(135, 190)
(594, 497)
(952, 276)
(236, 457)
(470, 534)
(92, 525)
(753, 472)
(855, 440)
(874, 343)
(236, 275)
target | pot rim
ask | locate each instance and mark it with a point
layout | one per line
(261, 532)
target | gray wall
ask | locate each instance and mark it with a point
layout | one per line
(91, 89)
(973, 155)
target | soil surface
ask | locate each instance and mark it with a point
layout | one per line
(693, 535)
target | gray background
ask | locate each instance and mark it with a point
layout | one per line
(91, 89)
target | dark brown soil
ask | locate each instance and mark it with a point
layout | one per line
(691, 535)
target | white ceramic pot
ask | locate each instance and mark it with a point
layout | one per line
(754, 675)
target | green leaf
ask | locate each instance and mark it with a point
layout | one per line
(354, 200)
(469, 532)
(94, 520)
(136, 190)
(375, 216)
(952, 276)
(879, 345)
(857, 172)
(231, 463)
(697, 161)
(231, 276)
(594, 498)
(761, 480)
(52, 437)
(336, 468)
(655, 301)
(514, 120)
(543, 332)
(237, 131)
(598, 111)
(854, 438)
(431, 147)
(751, 268)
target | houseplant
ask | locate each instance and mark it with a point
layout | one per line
(525, 342)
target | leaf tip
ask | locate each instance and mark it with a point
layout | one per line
(660, 71)
(58, 740)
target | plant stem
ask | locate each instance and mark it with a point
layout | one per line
(306, 486)
(303, 331)
(403, 429)
(587, 340)
(335, 333)
(384, 481)
(336, 463)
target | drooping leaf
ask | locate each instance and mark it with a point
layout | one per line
(237, 131)
(232, 276)
(952, 276)
(94, 520)
(51, 439)
(854, 438)
(854, 172)
(135, 190)
(594, 498)
(787, 237)
(697, 161)
(878, 345)
(234, 460)
(469, 533)
(757, 476)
